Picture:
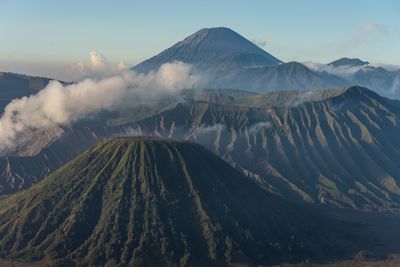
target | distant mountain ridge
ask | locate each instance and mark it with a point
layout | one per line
(345, 61)
(385, 81)
(293, 126)
(283, 77)
(225, 59)
(329, 147)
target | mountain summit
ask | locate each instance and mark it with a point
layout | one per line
(225, 59)
(212, 48)
(157, 202)
(350, 62)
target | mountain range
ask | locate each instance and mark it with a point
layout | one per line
(227, 60)
(383, 80)
(334, 147)
(262, 162)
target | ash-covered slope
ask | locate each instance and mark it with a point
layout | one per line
(330, 147)
(146, 201)
(212, 48)
(336, 147)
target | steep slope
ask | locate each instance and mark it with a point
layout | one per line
(146, 201)
(339, 151)
(225, 59)
(21, 171)
(330, 147)
(212, 48)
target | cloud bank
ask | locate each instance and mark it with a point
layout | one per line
(346, 70)
(342, 71)
(58, 105)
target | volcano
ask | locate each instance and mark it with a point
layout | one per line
(212, 48)
(150, 201)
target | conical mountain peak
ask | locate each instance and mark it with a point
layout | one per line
(212, 48)
(155, 202)
(221, 40)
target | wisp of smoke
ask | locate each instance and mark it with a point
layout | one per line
(97, 66)
(256, 128)
(58, 105)
(395, 88)
(302, 97)
(342, 71)
(205, 130)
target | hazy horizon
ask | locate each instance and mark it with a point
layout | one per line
(49, 39)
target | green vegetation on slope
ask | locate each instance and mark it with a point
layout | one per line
(146, 201)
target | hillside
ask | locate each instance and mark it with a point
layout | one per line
(340, 150)
(335, 148)
(150, 201)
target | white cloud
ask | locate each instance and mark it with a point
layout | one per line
(390, 67)
(207, 129)
(96, 67)
(58, 105)
(256, 128)
(346, 71)
(121, 66)
(342, 71)
(98, 61)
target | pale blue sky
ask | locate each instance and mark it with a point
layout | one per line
(44, 32)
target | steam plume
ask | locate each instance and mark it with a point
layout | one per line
(97, 66)
(58, 105)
